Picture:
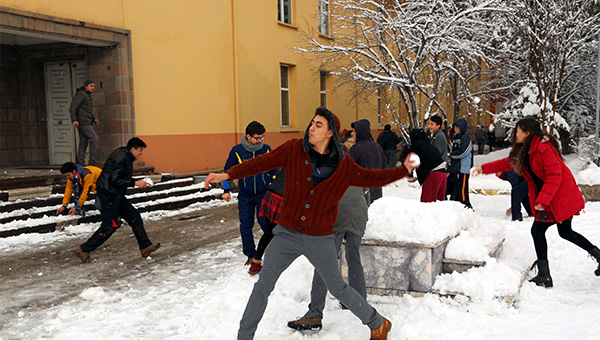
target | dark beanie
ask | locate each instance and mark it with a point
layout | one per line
(89, 81)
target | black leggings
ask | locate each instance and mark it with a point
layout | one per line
(538, 231)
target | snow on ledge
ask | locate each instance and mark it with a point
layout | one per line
(475, 242)
(395, 219)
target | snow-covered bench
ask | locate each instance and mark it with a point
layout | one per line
(404, 244)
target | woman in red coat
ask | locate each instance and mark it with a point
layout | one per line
(553, 192)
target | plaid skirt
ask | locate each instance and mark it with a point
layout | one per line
(547, 217)
(544, 216)
(270, 207)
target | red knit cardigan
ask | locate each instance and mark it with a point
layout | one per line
(560, 193)
(307, 208)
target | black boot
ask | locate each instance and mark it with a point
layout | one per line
(596, 254)
(543, 277)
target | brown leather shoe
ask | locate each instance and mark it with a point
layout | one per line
(381, 333)
(255, 267)
(85, 257)
(304, 323)
(248, 261)
(149, 250)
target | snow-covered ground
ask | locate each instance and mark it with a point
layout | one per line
(202, 294)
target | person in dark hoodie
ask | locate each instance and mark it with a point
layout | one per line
(367, 153)
(431, 174)
(389, 141)
(320, 173)
(461, 161)
(252, 188)
(83, 119)
(111, 187)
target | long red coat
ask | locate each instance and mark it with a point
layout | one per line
(560, 193)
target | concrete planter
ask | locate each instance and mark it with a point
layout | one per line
(395, 268)
(590, 192)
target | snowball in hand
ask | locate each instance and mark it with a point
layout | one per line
(414, 160)
(473, 172)
(149, 181)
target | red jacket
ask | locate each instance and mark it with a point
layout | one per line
(307, 208)
(560, 193)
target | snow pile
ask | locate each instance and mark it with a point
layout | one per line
(476, 242)
(93, 294)
(396, 219)
(495, 279)
(589, 176)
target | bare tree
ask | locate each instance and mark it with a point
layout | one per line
(413, 53)
(554, 33)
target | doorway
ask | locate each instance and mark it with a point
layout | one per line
(62, 81)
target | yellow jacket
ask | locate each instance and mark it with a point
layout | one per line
(87, 179)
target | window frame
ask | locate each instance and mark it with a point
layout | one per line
(281, 7)
(285, 90)
(324, 17)
(323, 87)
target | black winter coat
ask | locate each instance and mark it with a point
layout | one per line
(367, 153)
(430, 158)
(117, 172)
(388, 140)
(81, 108)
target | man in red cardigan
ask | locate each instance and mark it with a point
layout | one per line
(318, 173)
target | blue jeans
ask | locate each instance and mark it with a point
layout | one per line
(248, 207)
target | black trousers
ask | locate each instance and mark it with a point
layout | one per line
(519, 195)
(114, 206)
(538, 231)
(459, 190)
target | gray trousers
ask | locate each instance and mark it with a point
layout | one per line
(286, 246)
(390, 156)
(87, 135)
(356, 274)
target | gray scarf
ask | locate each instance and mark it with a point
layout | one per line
(249, 147)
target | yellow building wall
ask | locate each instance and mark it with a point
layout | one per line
(202, 70)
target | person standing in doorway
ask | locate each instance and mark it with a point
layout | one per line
(111, 186)
(252, 188)
(83, 119)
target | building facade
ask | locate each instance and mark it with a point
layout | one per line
(185, 76)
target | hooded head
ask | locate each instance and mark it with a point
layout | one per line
(417, 135)
(362, 128)
(334, 126)
(461, 124)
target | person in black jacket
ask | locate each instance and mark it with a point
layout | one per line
(389, 140)
(367, 153)
(111, 187)
(431, 174)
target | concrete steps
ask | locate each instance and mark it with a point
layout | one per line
(37, 215)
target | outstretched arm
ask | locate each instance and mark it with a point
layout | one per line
(214, 178)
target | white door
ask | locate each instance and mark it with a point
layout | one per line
(62, 80)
